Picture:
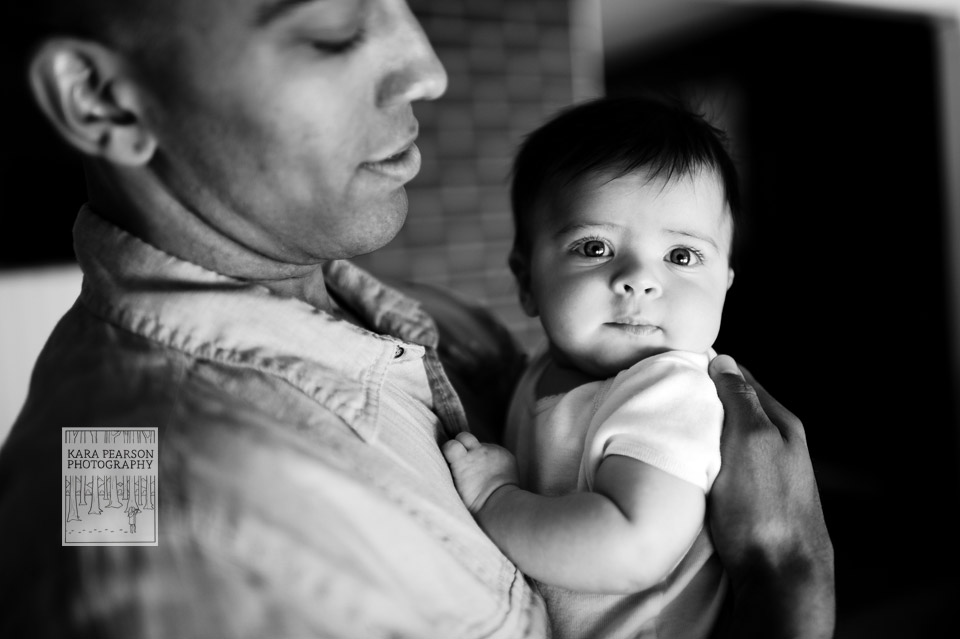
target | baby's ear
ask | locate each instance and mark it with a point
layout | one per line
(520, 267)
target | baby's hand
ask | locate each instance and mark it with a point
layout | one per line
(479, 469)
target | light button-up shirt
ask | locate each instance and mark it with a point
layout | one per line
(301, 490)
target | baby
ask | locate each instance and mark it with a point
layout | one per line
(625, 213)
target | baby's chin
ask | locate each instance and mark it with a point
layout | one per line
(618, 356)
(614, 363)
(610, 367)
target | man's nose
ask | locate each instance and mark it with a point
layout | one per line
(416, 72)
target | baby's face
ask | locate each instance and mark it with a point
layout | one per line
(630, 268)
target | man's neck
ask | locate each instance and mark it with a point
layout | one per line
(161, 221)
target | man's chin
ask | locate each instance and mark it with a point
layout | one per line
(376, 227)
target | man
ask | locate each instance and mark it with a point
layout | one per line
(235, 150)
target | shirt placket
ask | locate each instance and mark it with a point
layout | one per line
(446, 403)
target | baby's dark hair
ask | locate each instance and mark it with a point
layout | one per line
(615, 136)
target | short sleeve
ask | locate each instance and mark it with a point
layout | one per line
(663, 411)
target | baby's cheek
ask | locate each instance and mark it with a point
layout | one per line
(697, 331)
(709, 329)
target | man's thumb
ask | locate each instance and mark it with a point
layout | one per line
(724, 365)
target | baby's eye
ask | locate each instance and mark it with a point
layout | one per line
(594, 248)
(684, 257)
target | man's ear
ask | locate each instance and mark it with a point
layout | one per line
(520, 267)
(730, 278)
(81, 88)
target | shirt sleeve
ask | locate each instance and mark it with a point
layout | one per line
(663, 411)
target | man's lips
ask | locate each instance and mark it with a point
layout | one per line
(401, 165)
(397, 149)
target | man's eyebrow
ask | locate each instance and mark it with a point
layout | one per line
(274, 9)
(697, 236)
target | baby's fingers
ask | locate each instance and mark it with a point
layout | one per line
(455, 449)
(469, 441)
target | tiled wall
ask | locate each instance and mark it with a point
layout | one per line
(509, 64)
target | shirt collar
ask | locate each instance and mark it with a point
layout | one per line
(212, 316)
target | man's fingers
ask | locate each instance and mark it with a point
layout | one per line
(732, 387)
(786, 421)
(724, 364)
(742, 395)
(769, 403)
(739, 399)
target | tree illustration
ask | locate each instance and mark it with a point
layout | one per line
(115, 498)
(151, 501)
(107, 492)
(131, 492)
(95, 508)
(144, 500)
(72, 513)
(110, 491)
(81, 487)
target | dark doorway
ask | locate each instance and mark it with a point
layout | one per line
(840, 304)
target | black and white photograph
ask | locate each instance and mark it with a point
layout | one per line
(480, 319)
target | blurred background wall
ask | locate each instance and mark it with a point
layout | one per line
(845, 120)
(511, 64)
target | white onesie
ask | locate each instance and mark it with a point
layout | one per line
(663, 411)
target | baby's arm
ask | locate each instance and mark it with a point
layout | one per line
(623, 536)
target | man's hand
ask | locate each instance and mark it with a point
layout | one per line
(479, 469)
(765, 516)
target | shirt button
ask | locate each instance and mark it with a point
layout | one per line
(398, 353)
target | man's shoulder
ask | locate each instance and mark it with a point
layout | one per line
(90, 371)
(92, 374)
